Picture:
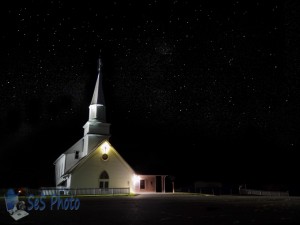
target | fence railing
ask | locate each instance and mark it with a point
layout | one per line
(263, 193)
(84, 191)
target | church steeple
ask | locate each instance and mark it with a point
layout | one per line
(98, 97)
(97, 107)
(96, 129)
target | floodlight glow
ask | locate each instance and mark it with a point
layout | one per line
(136, 179)
(105, 147)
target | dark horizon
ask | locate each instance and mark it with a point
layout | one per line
(232, 167)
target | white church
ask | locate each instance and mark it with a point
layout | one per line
(92, 162)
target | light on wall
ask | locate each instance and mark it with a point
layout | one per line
(105, 148)
(136, 179)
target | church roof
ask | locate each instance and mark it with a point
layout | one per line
(98, 97)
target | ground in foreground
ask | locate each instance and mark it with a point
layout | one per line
(168, 209)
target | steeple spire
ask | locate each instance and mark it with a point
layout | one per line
(98, 97)
(96, 129)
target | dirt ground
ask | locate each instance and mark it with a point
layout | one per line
(167, 209)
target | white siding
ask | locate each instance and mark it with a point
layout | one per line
(87, 174)
(60, 168)
(78, 146)
(70, 160)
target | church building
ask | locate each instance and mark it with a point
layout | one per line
(92, 162)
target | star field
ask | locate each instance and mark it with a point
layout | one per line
(200, 75)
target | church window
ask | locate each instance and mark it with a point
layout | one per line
(77, 155)
(104, 175)
(103, 184)
(104, 180)
(104, 157)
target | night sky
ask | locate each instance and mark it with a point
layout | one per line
(202, 90)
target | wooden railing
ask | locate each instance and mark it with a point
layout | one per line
(84, 191)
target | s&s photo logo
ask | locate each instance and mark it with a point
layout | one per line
(14, 207)
(19, 209)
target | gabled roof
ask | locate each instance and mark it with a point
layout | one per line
(77, 146)
(58, 158)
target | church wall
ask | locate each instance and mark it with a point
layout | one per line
(68, 185)
(59, 169)
(97, 111)
(87, 175)
(149, 183)
(93, 127)
(99, 128)
(70, 160)
(78, 146)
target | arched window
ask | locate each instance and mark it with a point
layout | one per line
(104, 178)
(104, 175)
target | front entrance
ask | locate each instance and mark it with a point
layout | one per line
(104, 180)
(103, 184)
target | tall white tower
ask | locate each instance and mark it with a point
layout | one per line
(96, 129)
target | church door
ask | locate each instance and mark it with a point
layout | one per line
(104, 180)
